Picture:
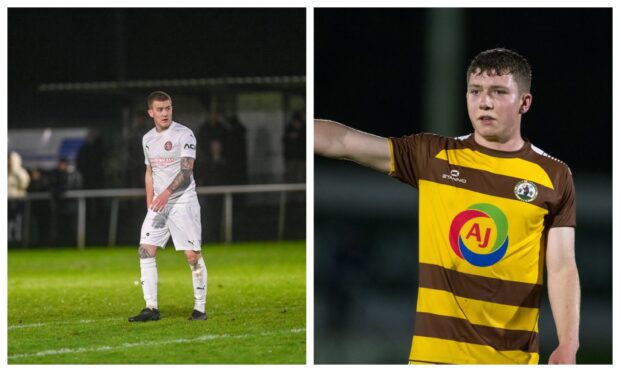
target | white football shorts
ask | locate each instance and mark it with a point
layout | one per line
(181, 221)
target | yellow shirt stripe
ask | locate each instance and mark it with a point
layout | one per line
(522, 261)
(512, 167)
(478, 312)
(392, 160)
(455, 352)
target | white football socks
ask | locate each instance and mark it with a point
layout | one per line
(148, 269)
(199, 279)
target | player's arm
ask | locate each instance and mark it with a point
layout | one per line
(180, 182)
(148, 185)
(564, 293)
(334, 140)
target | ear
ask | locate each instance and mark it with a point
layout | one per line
(526, 103)
(150, 113)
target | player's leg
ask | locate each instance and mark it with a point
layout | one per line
(148, 280)
(148, 274)
(154, 233)
(186, 232)
(199, 281)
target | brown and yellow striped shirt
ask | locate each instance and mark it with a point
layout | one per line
(484, 216)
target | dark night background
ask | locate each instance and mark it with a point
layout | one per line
(374, 63)
(372, 73)
(82, 45)
(237, 77)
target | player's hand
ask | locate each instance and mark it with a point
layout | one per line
(159, 203)
(563, 354)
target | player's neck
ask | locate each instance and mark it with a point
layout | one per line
(515, 143)
(159, 129)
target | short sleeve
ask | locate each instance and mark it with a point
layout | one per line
(188, 145)
(564, 213)
(410, 155)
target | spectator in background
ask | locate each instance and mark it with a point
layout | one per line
(216, 165)
(18, 178)
(213, 129)
(39, 209)
(216, 173)
(90, 160)
(64, 178)
(294, 140)
(89, 163)
(133, 155)
(63, 219)
(237, 152)
(38, 181)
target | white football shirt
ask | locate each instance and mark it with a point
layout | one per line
(163, 152)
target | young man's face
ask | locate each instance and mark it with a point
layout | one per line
(495, 106)
(161, 112)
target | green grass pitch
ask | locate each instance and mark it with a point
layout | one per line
(71, 307)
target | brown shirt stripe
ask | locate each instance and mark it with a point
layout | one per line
(479, 287)
(486, 183)
(455, 329)
(415, 158)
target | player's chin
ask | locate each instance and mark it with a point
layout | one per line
(486, 130)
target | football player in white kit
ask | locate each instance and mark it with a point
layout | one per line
(173, 209)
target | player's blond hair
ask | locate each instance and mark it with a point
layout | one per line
(157, 95)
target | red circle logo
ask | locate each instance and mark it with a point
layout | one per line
(168, 146)
(482, 236)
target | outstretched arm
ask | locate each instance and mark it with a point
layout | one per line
(564, 293)
(180, 182)
(334, 140)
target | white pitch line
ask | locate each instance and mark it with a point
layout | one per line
(82, 321)
(137, 344)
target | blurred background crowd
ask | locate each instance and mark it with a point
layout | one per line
(76, 120)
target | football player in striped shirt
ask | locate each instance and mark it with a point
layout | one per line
(493, 211)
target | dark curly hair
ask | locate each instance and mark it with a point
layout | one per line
(502, 61)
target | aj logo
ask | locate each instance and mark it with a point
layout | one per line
(486, 219)
(475, 232)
